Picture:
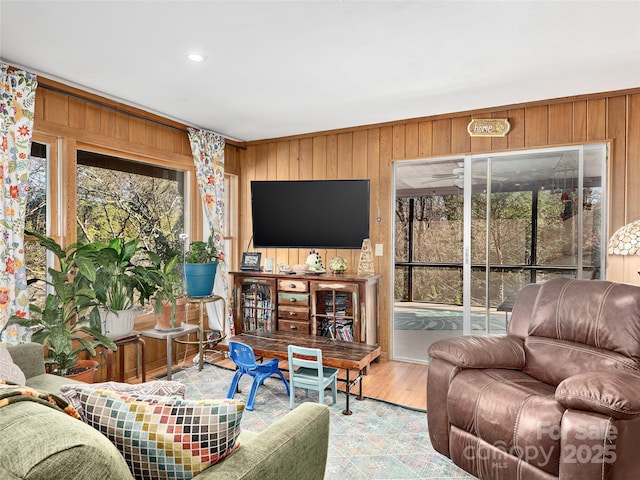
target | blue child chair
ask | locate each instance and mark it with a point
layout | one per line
(243, 356)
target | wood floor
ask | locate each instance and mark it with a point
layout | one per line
(397, 382)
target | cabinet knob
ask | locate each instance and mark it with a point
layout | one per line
(293, 327)
(292, 314)
(292, 285)
(293, 300)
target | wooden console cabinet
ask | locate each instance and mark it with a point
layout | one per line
(343, 307)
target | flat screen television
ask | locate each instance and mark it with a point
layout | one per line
(310, 213)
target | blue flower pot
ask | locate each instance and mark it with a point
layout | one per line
(200, 278)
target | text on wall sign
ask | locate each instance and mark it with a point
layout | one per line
(488, 127)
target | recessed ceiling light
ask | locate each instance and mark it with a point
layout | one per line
(195, 57)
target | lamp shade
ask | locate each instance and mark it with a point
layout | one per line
(626, 240)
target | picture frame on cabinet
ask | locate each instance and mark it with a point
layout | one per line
(251, 261)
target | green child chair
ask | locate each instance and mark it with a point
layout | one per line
(310, 375)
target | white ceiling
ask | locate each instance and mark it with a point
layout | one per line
(275, 69)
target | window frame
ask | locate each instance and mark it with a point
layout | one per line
(192, 214)
(62, 191)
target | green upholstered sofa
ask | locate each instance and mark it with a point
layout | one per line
(38, 442)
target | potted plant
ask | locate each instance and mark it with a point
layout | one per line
(63, 325)
(169, 301)
(201, 264)
(127, 274)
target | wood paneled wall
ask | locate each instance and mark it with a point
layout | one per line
(369, 152)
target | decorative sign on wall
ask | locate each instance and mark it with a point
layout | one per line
(489, 127)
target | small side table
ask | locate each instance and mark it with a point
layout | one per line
(133, 337)
(169, 336)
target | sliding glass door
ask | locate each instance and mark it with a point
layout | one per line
(539, 215)
(428, 254)
(470, 232)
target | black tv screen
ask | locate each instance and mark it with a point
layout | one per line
(310, 213)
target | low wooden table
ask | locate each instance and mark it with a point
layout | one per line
(335, 353)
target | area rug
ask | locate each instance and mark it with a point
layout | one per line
(379, 440)
(435, 319)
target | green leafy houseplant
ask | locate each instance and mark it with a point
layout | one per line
(169, 293)
(203, 252)
(64, 325)
(119, 282)
(127, 274)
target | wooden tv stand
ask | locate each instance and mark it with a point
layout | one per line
(340, 306)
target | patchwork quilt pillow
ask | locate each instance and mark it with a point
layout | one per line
(71, 392)
(164, 437)
(9, 371)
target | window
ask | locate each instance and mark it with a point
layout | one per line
(117, 197)
(37, 215)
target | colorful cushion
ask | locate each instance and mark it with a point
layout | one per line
(159, 387)
(9, 371)
(164, 437)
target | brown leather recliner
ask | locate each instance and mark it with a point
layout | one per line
(557, 397)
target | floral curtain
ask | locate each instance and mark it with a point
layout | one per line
(208, 155)
(18, 90)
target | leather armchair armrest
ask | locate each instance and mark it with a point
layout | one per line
(480, 352)
(612, 392)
